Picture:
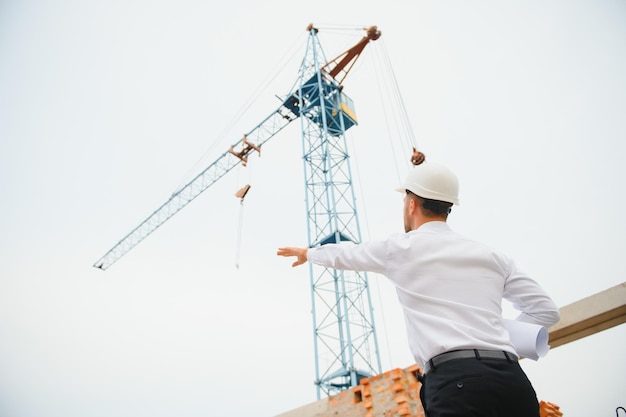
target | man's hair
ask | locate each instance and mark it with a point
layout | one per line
(432, 207)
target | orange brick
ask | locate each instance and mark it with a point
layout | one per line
(547, 409)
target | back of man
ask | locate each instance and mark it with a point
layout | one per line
(451, 289)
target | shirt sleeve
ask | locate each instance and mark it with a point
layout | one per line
(370, 256)
(528, 297)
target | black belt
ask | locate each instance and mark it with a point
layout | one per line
(467, 354)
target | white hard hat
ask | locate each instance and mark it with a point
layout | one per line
(433, 181)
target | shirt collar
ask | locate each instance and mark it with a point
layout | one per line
(437, 225)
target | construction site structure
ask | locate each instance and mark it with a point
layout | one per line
(395, 393)
(344, 334)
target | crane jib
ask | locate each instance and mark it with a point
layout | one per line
(338, 115)
(253, 140)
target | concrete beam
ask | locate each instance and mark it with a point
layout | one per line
(590, 315)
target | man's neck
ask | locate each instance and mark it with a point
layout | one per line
(420, 220)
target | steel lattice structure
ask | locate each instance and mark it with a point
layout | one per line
(343, 328)
(345, 341)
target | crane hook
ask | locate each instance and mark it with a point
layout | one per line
(242, 192)
(417, 157)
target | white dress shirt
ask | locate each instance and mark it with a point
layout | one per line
(450, 287)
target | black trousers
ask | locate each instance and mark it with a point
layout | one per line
(478, 388)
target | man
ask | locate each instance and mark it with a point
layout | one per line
(451, 290)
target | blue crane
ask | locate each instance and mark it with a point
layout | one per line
(345, 342)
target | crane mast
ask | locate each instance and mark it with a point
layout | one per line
(344, 334)
(345, 342)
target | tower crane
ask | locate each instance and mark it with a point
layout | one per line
(345, 342)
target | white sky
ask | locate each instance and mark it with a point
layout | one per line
(106, 108)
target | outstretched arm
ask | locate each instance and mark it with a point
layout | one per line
(300, 253)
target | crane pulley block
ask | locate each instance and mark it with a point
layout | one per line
(245, 151)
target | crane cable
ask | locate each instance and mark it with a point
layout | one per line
(405, 133)
(281, 65)
(241, 194)
(401, 141)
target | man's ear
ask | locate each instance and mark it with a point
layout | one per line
(413, 206)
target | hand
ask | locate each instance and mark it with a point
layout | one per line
(300, 253)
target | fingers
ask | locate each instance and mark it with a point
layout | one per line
(301, 260)
(285, 252)
(300, 253)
